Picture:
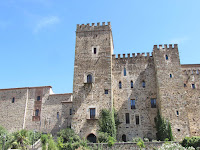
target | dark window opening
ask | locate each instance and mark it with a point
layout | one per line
(170, 75)
(106, 91)
(89, 78)
(166, 57)
(13, 100)
(37, 112)
(137, 120)
(92, 113)
(57, 115)
(70, 111)
(95, 50)
(124, 71)
(38, 98)
(132, 104)
(185, 85)
(92, 138)
(131, 84)
(143, 84)
(153, 103)
(193, 86)
(177, 113)
(124, 138)
(178, 130)
(120, 84)
(127, 118)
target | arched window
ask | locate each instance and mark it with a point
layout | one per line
(170, 75)
(124, 71)
(143, 84)
(166, 57)
(131, 84)
(120, 84)
(124, 138)
(89, 78)
(37, 112)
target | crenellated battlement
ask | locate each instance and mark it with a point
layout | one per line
(134, 55)
(191, 72)
(165, 46)
(92, 27)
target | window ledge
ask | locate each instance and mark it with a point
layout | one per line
(92, 119)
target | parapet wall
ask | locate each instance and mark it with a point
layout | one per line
(134, 55)
(92, 27)
(160, 47)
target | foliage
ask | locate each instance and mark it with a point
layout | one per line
(117, 122)
(191, 141)
(146, 140)
(140, 143)
(44, 140)
(33, 136)
(67, 134)
(111, 141)
(163, 128)
(51, 144)
(103, 137)
(19, 140)
(107, 122)
(136, 139)
(174, 146)
(3, 137)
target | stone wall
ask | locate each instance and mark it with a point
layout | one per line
(137, 69)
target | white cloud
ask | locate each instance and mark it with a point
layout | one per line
(45, 22)
(178, 40)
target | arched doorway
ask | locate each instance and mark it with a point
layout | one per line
(92, 138)
(124, 138)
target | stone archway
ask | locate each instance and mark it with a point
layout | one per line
(92, 138)
(124, 138)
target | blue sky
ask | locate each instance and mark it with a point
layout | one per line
(37, 37)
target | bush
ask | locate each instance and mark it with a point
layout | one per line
(51, 143)
(33, 136)
(174, 146)
(191, 141)
(140, 143)
(111, 141)
(68, 133)
(103, 137)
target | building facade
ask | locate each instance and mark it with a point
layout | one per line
(135, 85)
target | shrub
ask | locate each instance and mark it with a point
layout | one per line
(111, 141)
(140, 143)
(68, 133)
(44, 140)
(103, 137)
(174, 146)
(191, 141)
(51, 143)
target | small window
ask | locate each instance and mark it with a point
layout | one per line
(106, 91)
(143, 84)
(127, 118)
(89, 78)
(153, 103)
(170, 75)
(70, 111)
(92, 113)
(37, 112)
(178, 130)
(38, 98)
(177, 113)
(137, 119)
(13, 100)
(131, 84)
(166, 57)
(120, 84)
(124, 71)
(185, 85)
(95, 50)
(132, 104)
(193, 86)
(57, 115)
(124, 138)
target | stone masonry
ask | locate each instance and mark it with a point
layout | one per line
(135, 85)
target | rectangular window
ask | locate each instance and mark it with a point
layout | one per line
(153, 103)
(137, 119)
(106, 91)
(13, 100)
(38, 98)
(193, 86)
(143, 84)
(95, 50)
(70, 111)
(132, 104)
(177, 113)
(185, 85)
(37, 112)
(92, 113)
(127, 118)
(57, 115)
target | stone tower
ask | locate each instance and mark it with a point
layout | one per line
(92, 77)
(170, 89)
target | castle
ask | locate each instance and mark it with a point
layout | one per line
(135, 85)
